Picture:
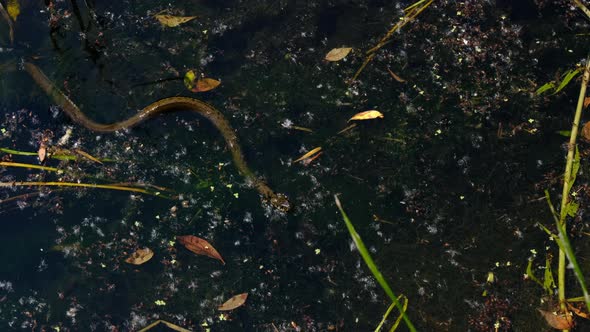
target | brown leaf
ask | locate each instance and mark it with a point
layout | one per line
(367, 115)
(338, 54)
(42, 153)
(173, 21)
(235, 302)
(586, 131)
(558, 321)
(309, 154)
(199, 246)
(395, 77)
(586, 102)
(140, 256)
(206, 84)
(577, 311)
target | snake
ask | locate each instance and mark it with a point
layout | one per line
(166, 105)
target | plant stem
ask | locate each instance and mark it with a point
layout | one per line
(567, 181)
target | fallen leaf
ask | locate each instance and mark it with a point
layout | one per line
(577, 311)
(13, 8)
(586, 131)
(308, 161)
(558, 321)
(199, 246)
(367, 115)
(42, 153)
(140, 256)
(337, 54)
(199, 85)
(309, 154)
(235, 302)
(395, 77)
(586, 102)
(173, 21)
(206, 84)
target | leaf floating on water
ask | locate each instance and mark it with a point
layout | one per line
(173, 21)
(337, 54)
(199, 246)
(558, 321)
(206, 84)
(199, 85)
(367, 115)
(235, 302)
(586, 131)
(140, 256)
(13, 8)
(42, 153)
(586, 102)
(309, 154)
(395, 77)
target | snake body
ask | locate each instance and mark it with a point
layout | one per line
(165, 105)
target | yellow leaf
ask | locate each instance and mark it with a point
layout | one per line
(309, 154)
(140, 256)
(367, 115)
(173, 21)
(234, 302)
(13, 8)
(337, 54)
(201, 85)
(206, 84)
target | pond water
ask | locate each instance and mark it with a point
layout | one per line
(445, 189)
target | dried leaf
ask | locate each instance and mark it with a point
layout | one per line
(173, 21)
(586, 131)
(309, 154)
(42, 153)
(367, 115)
(577, 311)
(140, 256)
(308, 161)
(199, 246)
(395, 77)
(206, 84)
(13, 8)
(558, 321)
(338, 54)
(201, 85)
(586, 102)
(235, 302)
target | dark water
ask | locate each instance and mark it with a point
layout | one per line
(445, 189)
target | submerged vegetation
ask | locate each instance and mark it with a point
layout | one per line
(439, 124)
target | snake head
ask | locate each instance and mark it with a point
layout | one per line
(280, 202)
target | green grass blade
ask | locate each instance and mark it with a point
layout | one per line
(567, 78)
(372, 266)
(399, 318)
(385, 317)
(565, 245)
